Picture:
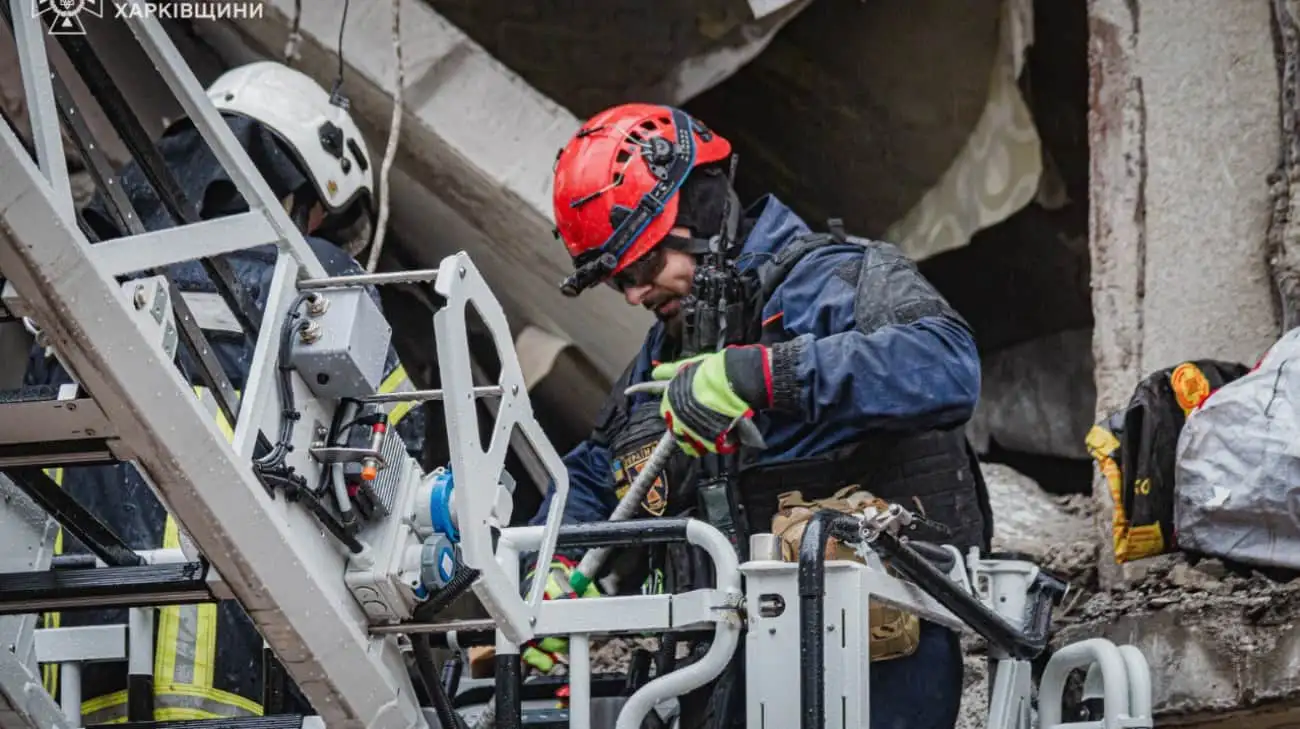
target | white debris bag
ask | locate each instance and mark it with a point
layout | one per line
(1237, 479)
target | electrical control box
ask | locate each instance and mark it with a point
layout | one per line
(342, 349)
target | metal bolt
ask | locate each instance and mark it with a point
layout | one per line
(90, 431)
(139, 299)
(514, 389)
(310, 333)
(317, 305)
(771, 631)
(462, 272)
(72, 406)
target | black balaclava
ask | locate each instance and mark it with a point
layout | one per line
(703, 203)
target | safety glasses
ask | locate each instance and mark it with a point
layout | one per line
(641, 272)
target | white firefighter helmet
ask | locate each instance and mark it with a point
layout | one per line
(322, 135)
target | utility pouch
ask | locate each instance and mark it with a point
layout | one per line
(894, 633)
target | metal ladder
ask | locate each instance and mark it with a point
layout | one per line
(134, 404)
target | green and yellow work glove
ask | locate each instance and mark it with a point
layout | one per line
(709, 395)
(544, 653)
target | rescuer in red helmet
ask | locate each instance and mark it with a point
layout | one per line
(852, 367)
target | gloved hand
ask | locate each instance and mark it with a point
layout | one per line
(710, 394)
(543, 654)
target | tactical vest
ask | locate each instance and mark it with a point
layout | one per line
(935, 474)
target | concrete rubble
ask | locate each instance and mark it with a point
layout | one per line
(1220, 638)
(1056, 533)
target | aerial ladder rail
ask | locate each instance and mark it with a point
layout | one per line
(270, 555)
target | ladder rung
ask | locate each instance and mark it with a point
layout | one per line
(145, 585)
(53, 454)
(38, 415)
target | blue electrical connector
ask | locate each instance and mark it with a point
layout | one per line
(440, 505)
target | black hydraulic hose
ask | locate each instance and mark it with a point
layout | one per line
(432, 677)
(425, 612)
(1024, 645)
(429, 673)
(934, 554)
(812, 616)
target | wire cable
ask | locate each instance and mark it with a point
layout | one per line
(295, 35)
(343, 23)
(390, 152)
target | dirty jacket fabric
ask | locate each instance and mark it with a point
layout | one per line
(856, 372)
(193, 678)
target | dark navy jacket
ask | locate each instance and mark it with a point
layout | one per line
(853, 380)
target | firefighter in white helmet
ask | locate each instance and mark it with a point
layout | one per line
(312, 155)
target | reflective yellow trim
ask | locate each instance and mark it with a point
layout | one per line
(205, 629)
(103, 702)
(394, 380)
(176, 713)
(222, 423)
(205, 645)
(50, 671)
(169, 619)
(392, 383)
(208, 694)
(172, 702)
(399, 411)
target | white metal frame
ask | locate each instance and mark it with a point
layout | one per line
(580, 619)
(477, 469)
(297, 599)
(1120, 673)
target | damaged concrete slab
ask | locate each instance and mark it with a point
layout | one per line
(1220, 644)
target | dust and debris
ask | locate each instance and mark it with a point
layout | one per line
(614, 654)
(1055, 532)
(975, 684)
(1199, 585)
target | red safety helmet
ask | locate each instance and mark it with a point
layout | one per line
(616, 183)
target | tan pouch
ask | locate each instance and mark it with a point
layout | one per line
(894, 633)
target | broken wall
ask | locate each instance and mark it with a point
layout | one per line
(1184, 138)
(1184, 134)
